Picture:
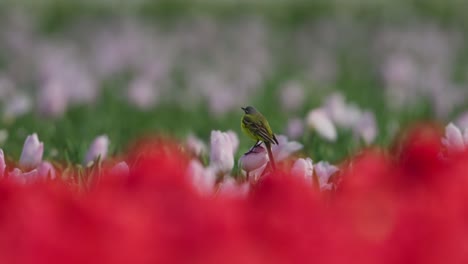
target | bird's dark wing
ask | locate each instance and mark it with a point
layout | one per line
(274, 138)
(260, 129)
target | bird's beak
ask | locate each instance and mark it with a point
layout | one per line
(243, 108)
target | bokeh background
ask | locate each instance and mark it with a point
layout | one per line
(72, 70)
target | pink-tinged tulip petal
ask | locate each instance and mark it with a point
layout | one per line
(203, 179)
(230, 187)
(303, 168)
(324, 171)
(254, 159)
(295, 128)
(2, 164)
(336, 108)
(284, 148)
(453, 139)
(462, 121)
(32, 152)
(221, 153)
(23, 177)
(366, 127)
(319, 121)
(196, 145)
(234, 140)
(97, 149)
(45, 169)
(465, 136)
(257, 173)
(120, 169)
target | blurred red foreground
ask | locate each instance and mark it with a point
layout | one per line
(407, 205)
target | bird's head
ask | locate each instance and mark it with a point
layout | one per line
(249, 110)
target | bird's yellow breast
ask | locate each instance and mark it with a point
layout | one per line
(247, 131)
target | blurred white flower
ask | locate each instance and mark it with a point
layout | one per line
(336, 108)
(32, 152)
(303, 168)
(2, 164)
(44, 169)
(340, 112)
(142, 92)
(221, 151)
(319, 121)
(324, 171)
(366, 127)
(23, 177)
(60, 64)
(295, 128)
(97, 149)
(202, 178)
(417, 61)
(454, 140)
(52, 98)
(16, 106)
(292, 96)
(120, 169)
(399, 74)
(284, 148)
(254, 159)
(195, 145)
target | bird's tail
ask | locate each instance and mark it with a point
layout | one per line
(270, 155)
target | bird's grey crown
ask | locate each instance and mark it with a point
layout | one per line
(249, 110)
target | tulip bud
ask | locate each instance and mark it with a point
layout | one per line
(202, 178)
(254, 159)
(120, 169)
(45, 169)
(303, 168)
(222, 154)
(319, 121)
(453, 140)
(324, 171)
(97, 149)
(32, 152)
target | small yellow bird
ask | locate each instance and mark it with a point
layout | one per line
(256, 126)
